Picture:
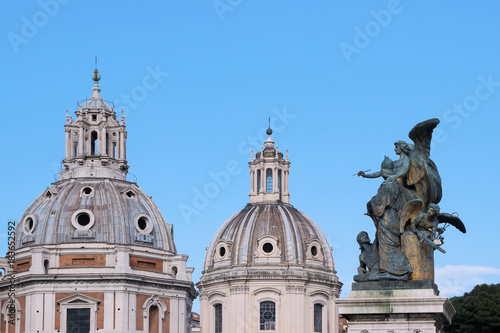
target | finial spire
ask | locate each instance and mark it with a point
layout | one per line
(269, 130)
(96, 76)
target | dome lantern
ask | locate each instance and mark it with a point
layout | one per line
(95, 140)
(269, 174)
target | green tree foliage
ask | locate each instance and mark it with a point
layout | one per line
(477, 311)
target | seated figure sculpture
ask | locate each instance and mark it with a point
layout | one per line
(368, 259)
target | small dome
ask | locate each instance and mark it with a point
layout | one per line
(264, 233)
(94, 103)
(94, 210)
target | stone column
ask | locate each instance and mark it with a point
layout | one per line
(263, 177)
(49, 312)
(121, 311)
(252, 181)
(132, 312)
(81, 148)
(102, 142)
(120, 145)
(174, 315)
(124, 145)
(275, 180)
(109, 314)
(68, 150)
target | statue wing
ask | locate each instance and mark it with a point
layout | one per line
(421, 166)
(421, 134)
(411, 210)
(451, 219)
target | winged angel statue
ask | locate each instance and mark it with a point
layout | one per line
(405, 213)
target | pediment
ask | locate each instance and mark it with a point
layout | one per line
(78, 299)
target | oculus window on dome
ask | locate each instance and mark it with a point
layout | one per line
(87, 190)
(29, 224)
(144, 227)
(83, 220)
(267, 247)
(143, 224)
(314, 249)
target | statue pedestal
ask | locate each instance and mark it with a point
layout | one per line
(395, 307)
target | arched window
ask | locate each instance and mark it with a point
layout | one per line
(93, 141)
(267, 316)
(318, 318)
(174, 272)
(269, 181)
(279, 180)
(107, 144)
(218, 318)
(258, 181)
(46, 266)
(153, 322)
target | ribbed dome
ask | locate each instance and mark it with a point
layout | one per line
(94, 210)
(269, 233)
(94, 103)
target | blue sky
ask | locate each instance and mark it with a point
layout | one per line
(341, 81)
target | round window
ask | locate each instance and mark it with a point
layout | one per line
(267, 247)
(222, 251)
(83, 219)
(314, 250)
(143, 224)
(87, 190)
(29, 224)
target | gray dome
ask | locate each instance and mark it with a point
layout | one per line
(95, 103)
(269, 233)
(91, 210)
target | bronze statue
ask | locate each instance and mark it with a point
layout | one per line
(368, 259)
(411, 186)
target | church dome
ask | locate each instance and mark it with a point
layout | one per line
(94, 210)
(269, 233)
(269, 267)
(92, 201)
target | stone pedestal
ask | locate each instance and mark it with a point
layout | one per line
(395, 307)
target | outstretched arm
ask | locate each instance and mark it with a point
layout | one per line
(369, 175)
